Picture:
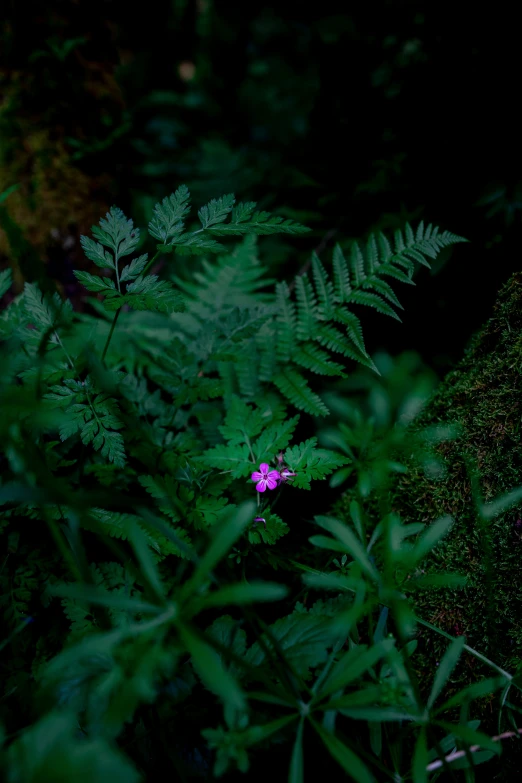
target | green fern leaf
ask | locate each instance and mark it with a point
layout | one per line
(242, 422)
(286, 322)
(306, 308)
(274, 530)
(94, 283)
(323, 287)
(96, 253)
(150, 293)
(216, 211)
(384, 289)
(168, 221)
(273, 439)
(296, 390)
(353, 328)
(117, 233)
(313, 358)
(343, 286)
(260, 223)
(134, 269)
(235, 460)
(310, 463)
(357, 265)
(372, 300)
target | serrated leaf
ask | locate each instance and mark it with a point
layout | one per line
(96, 253)
(168, 220)
(216, 211)
(117, 232)
(134, 269)
(94, 282)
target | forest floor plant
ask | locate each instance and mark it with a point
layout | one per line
(144, 447)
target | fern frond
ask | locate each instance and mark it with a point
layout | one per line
(168, 220)
(286, 322)
(343, 287)
(313, 358)
(323, 287)
(307, 313)
(295, 388)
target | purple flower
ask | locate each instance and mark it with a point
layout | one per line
(265, 477)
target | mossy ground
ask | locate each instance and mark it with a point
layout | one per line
(483, 395)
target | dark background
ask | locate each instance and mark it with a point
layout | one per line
(349, 121)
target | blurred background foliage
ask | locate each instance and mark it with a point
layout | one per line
(355, 121)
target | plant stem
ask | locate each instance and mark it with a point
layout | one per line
(114, 320)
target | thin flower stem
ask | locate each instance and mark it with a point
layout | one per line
(114, 321)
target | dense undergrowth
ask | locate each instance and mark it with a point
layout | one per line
(146, 441)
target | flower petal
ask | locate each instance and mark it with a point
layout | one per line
(274, 474)
(257, 476)
(271, 483)
(264, 468)
(261, 486)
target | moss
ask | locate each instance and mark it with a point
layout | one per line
(483, 395)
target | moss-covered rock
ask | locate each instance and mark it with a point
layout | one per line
(483, 395)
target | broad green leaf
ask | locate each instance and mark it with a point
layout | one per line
(349, 761)
(209, 667)
(445, 668)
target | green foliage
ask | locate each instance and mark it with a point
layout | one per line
(130, 449)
